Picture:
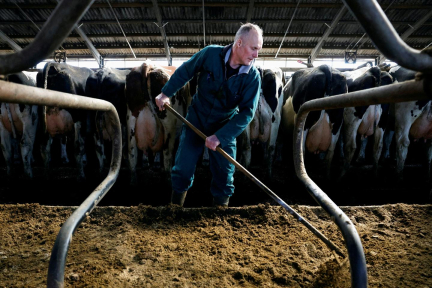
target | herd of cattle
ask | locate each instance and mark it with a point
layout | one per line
(146, 129)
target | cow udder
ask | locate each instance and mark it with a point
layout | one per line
(369, 119)
(422, 126)
(261, 123)
(319, 136)
(149, 131)
(18, 125)
(59, 122)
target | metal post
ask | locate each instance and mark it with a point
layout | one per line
(15, 93)
(55, 30)
(407, 91)
(379, 29)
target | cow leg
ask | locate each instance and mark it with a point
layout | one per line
(330, 153)
(16, 151)
(403, 121)
(145, 160)
(402, 143)
(428, 159)
(79, 150)
(45, 149)
(157, 160)
(124, 143)
(132, 147)
(63, 150)
(169, 140)
(378, 145)
(29, 120)
(243, 141)
(100, 151)
(361, 158)
(351, 124)
(6, 141)
(388, 138)
(99, 142)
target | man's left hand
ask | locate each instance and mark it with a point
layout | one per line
(212, 142)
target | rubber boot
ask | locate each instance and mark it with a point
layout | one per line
(221, 201)
(178, 198)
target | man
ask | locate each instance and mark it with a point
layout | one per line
(224, 104)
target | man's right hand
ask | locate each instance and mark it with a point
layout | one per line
(161, 100)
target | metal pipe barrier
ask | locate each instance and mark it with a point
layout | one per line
(261, 185)
(58, 26)
(406, 91)
(385, 38)
(16, 93)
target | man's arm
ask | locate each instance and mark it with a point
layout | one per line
(184, 73)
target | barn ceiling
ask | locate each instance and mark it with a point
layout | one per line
(151, 27)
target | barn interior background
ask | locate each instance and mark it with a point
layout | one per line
(123, 34)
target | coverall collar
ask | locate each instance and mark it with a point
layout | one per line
(227, 52)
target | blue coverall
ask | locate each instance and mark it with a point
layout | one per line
(221, 107)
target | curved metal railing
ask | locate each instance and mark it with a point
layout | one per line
(379, 29)
(372, 18)
(15, 93)
(407, 91)
(58, 26)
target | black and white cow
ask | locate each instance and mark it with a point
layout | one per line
(108, 84)
(58, 122)
(149, 129)
(385, 123)
(365, 121)
(413, 120)
(264, 127)
(18, 124)
(322, 128)
(360, 120)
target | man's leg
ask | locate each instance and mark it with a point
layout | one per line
(222, 186)
(188, 153)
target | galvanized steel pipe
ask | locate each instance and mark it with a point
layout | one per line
(16, 93)
(407, 91)
(385, 38)
(58, 26)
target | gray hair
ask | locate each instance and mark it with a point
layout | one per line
(245, 29)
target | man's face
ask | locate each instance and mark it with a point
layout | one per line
(248, 47)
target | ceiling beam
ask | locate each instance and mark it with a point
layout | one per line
(139, 45)
(215, 4)
(315, 52)
(90, 46)
(212, 21)
(410, 30)
(290, 35)
(162, 31)
(15, 47)
(250, 11)
(269, 55)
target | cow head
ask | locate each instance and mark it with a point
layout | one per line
(143, 84)
(156, 79)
